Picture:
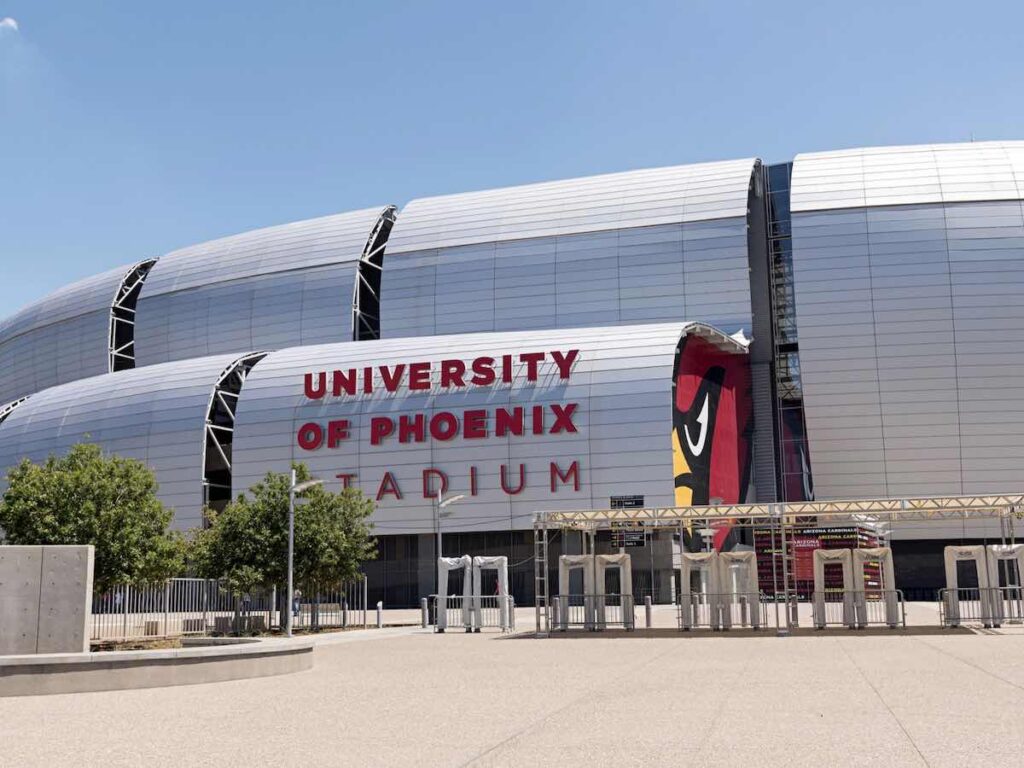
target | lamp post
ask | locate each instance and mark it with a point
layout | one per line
(441, 505)
(292, 490)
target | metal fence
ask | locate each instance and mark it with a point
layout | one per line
(340, 607)
(484, 612)
(859, 608)
(721, 611)
(182, 607)
(990, 607)
(593, 612)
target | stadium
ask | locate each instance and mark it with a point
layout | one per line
(842, 326)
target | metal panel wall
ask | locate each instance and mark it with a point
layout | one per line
(62, 337)
(155, 414)
(909, 337)
(622, 382)
(269, 288)
(638, 247)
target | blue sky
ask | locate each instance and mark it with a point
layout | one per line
(131, 128)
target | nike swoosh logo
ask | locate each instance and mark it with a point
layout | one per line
(697, 448)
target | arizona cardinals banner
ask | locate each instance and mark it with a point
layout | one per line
(711, 425)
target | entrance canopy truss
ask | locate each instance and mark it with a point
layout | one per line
(779, 518)
(859, 510)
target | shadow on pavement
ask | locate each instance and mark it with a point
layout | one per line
(582, 634)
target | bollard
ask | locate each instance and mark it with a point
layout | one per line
(554, 613)
(424, 613)
(647, 610)
(380, 614)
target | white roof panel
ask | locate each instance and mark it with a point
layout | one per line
(910, 175)
(595, 203)
(301, 244)
(78, 298)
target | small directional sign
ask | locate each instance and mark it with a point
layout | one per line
(626, 502)
(627, 538)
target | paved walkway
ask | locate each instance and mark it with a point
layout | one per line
(406, 697)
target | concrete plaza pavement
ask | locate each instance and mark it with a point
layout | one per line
(403, 696)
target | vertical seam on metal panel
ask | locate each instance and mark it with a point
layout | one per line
(508, 449)
(590, 431)
(494, 286)
(555, 277)
(39, 604)
(618, 275)
(874, 331)
(952, 323)
(433, 293)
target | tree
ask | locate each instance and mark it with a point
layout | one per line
(247, 542)
(86, 497)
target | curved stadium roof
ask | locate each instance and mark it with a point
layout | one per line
(908, 175)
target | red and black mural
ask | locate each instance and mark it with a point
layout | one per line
(712, 423)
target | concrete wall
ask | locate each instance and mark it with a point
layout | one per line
(44, 599)
(215, 661)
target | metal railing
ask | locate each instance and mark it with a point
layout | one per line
(182, 607)
(859, 608)
(484, 612)
(787, 608)
(593, 612)
(338, 607)
(702, 610)
(990, 607)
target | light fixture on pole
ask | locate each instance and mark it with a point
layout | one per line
(441, 505)
(293, 489)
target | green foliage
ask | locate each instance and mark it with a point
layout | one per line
(247, 542)
(86, 497)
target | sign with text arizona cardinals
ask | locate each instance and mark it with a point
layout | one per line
(444, 426)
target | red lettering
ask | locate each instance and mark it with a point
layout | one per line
(483, 372)
(531, 359)
(343, 380)
(336, 432)
(419, 375)
(368, 380)
(346, 479)
(315, 393)
(388, 484)
(429, 493)
(564, 362)
(504, 480)
(506, 423)
(411, 428)
(573, 471)
(392, 377)
(472, 481)
(506, 368)
(474, 424)
(538, 419)
(563, 418)
(311, 436)
(444, 426)
(380, 427)
(452, 372)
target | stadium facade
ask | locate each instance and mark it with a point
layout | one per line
(841, 326)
